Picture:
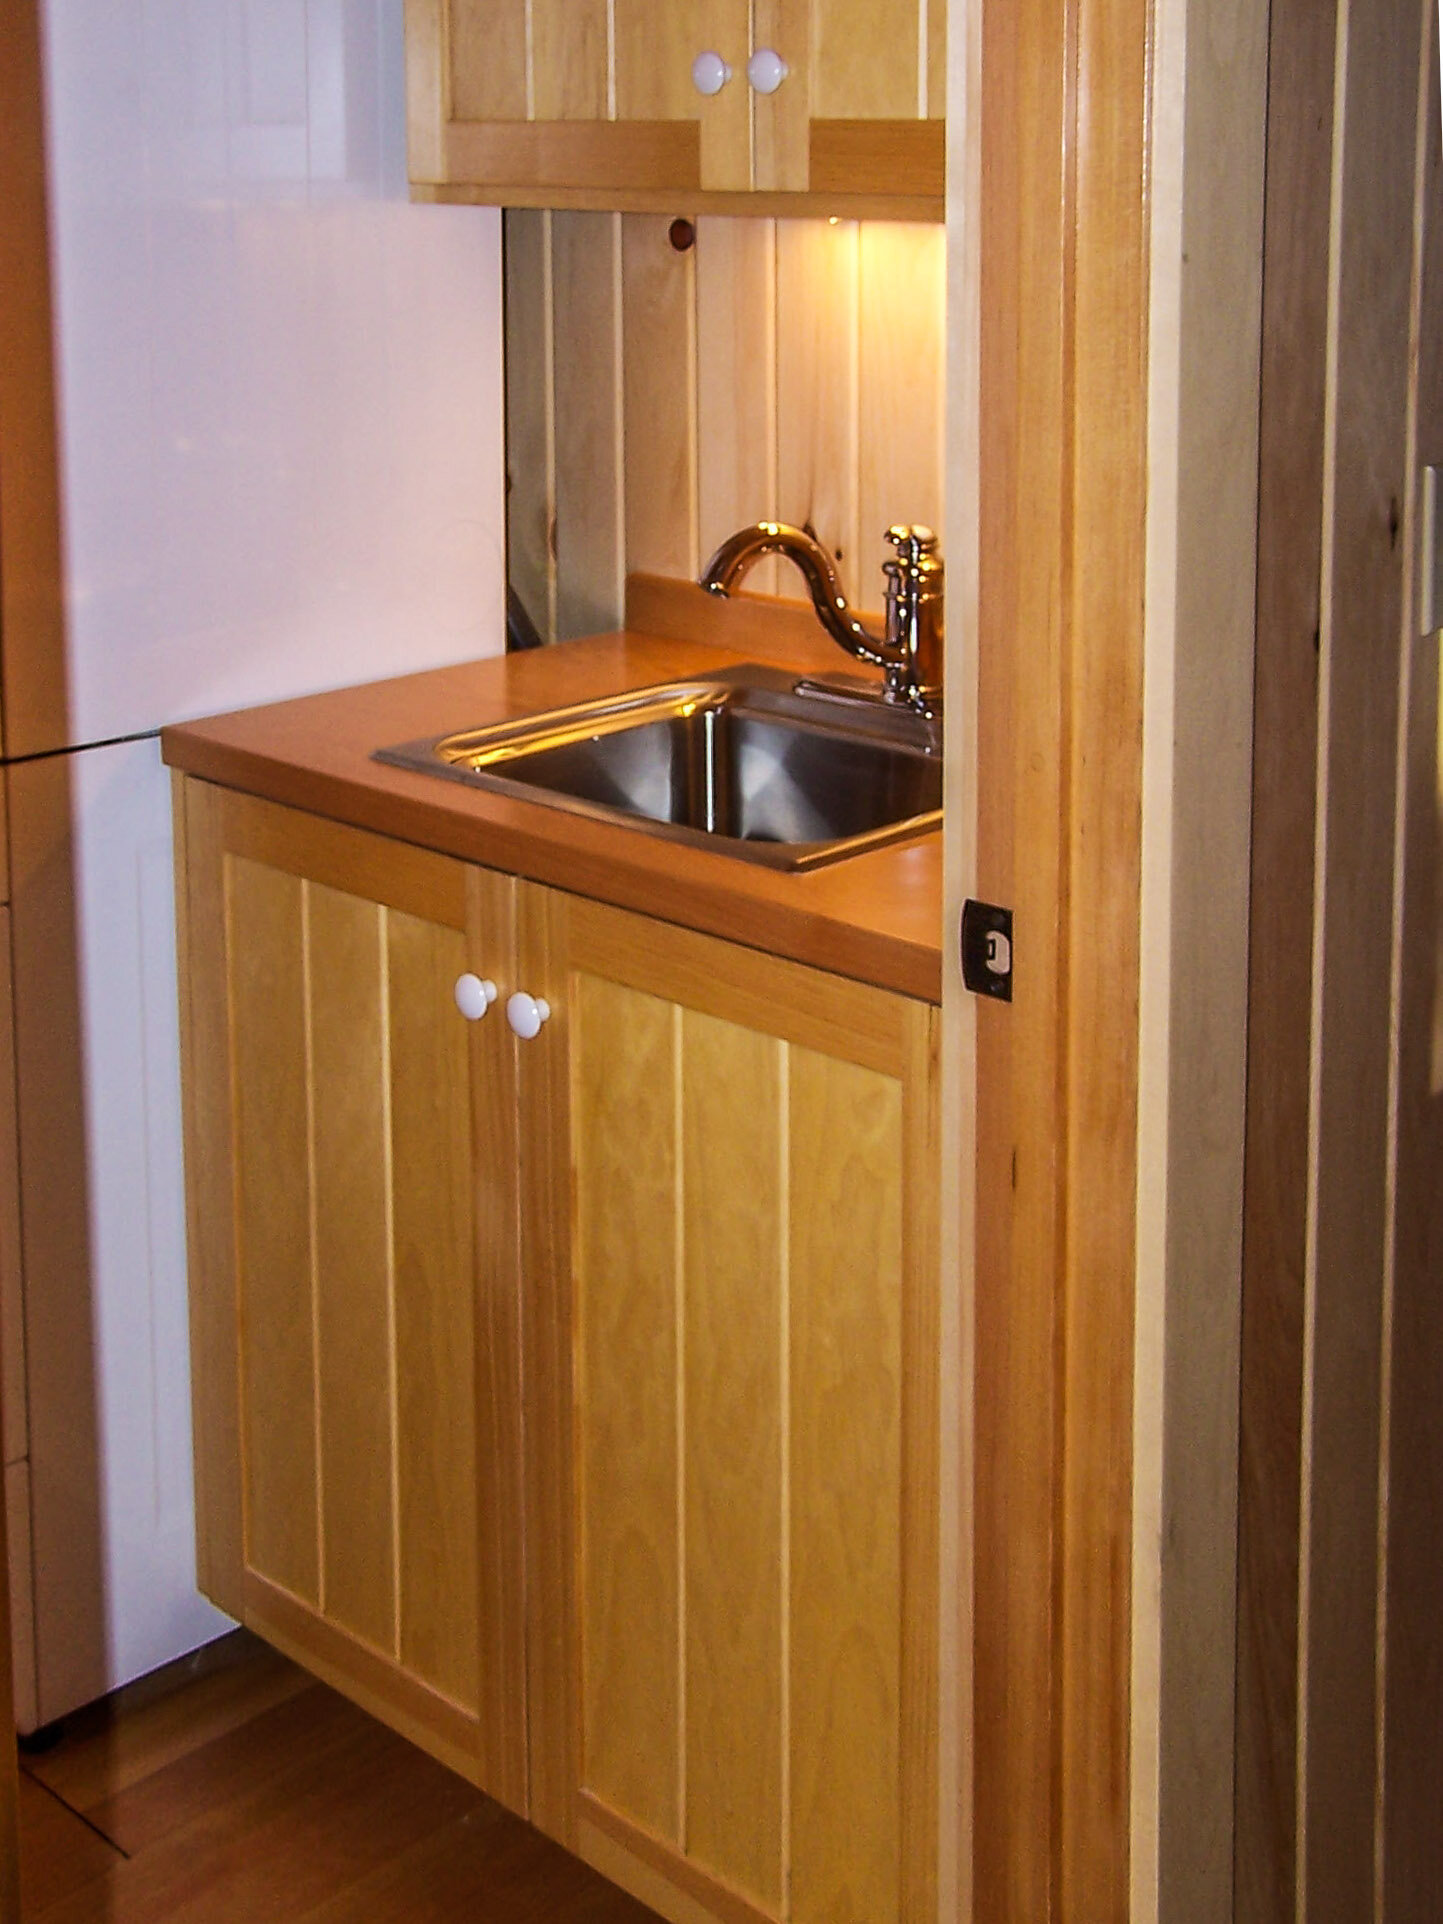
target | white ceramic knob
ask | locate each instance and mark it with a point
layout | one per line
(766, 70)
(474, 996)
(526, 1013)
(709, 73)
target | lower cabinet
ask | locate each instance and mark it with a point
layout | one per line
(677, 1231)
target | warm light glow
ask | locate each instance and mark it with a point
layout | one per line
(832, 218)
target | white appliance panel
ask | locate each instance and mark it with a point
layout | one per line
(280, 383)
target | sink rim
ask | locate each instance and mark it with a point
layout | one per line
(478, 757)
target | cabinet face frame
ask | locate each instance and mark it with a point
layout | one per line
(509, 106)
(562, 940)
(216, 830)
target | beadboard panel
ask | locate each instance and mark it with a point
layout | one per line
(659, 398)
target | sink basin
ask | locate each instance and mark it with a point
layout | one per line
(750, 763)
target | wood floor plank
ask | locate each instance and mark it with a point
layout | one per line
(274, 1853)
(138, 1731)
(60, 1855)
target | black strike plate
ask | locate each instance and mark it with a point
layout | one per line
(987, 950)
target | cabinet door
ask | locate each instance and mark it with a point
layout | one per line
(356, 1353)
(729, 1238)
(593, 103)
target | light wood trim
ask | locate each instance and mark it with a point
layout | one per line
(501, 1283)
(922, 1366)
(662, 200)
(415, 880)
(427, 63)
(607, 155)
(828, 1013)
(651, 1870)
(547, 1324)
(852, 156)
(1063, 463)
(367, 1677)
(34, 669)
(658, 318)
(197, 813)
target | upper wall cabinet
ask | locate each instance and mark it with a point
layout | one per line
(674, 106)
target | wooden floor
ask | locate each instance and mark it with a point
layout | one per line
(234, 1789)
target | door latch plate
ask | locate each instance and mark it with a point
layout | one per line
(987, 949)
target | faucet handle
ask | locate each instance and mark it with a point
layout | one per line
(913, 544)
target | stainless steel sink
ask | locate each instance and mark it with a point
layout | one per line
(751, 763)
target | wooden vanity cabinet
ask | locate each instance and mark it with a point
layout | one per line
(690, 1628)
(591, 103)
(355, 1343)
(730, 1191)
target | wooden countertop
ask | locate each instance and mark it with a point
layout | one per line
(876, 917)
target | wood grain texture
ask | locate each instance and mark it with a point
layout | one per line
(33, 670)
(628, 1301)
(865, 60)
(817, 459)
(726, 118)
(901, 392)
(1412, 1861)
(530, 423)
(9, 1787)
(733, 1137)
(352, 1258)
(1280, 995)
(569, 59)
(845, 1487)
(611, 156)
(659, 404)
(1063, 463)
(654, 47)
(486, 65)
(14, 1425)
(782, 120)
(1366, 478)
(432, 1159)
(586, 322)
(426, 82)
(276, 1308)
(209, 1122)
(847, 156)
(736, 434)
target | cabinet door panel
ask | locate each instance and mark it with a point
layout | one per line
(267, 994)
(754, 1599)
(626, 1297)
(354, 1284)
(569, 55)
(486, 68)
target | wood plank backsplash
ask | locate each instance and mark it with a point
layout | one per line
(656, 400)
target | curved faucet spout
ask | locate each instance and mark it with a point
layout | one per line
(910, 653)
(740, 551)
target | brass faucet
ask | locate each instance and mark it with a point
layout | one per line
(910, 653)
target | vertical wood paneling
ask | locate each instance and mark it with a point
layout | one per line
(1365, 482)
(13, 1427)
(782, 121)
(585, 264)
(530, 441)
(654, 51)
(273, 1230)
(866, 60)
(901, 392)
(846, 1288)
(625, 1258)
(788, 370)
(486, 46)
(569, 59)
(434, 1292)
(1303, 47)
(357, 1447)
(726, 118)
(736, 426)
(659, 398)
(733, 1147)
(817, 463)
(936, 56)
